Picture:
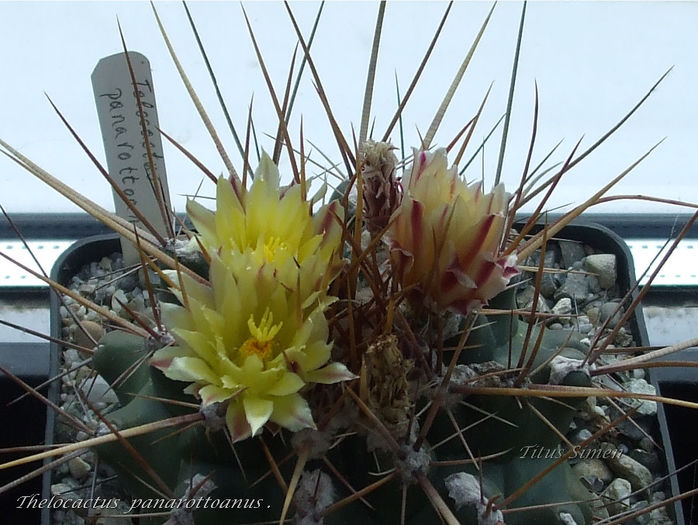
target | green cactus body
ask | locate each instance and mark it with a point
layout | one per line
(514, 427)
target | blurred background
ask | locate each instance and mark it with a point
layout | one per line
(592, 62)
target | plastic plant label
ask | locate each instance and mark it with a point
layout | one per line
(125, 143)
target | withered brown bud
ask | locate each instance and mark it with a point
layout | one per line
(382, 192)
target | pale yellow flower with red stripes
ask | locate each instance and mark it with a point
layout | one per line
(446, 235)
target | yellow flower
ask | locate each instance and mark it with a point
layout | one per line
(445, 237)
(276, 225)
(249, 340)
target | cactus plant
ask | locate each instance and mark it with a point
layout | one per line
(361, 359)
(400, 370)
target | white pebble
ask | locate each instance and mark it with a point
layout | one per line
(79, 468)
(98, 389)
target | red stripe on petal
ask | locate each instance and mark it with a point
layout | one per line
(466, 260)
(508, 265)
(237, 423)
(328, 219)
(483, 275)
(161, 364)
(417, 224)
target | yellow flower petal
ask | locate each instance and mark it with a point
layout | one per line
(332, 373)
(292, 412)
(237, 422)
(257, 411)
(162, 358)
(288, 384)
(174, 315)
(214, 394)
(190, 369)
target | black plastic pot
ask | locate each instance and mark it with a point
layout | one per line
(606, 241)
(682, 383)
(601, 238)
(80, 253)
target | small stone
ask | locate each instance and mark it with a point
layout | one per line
(105, 264)
(617, 496)
(583, 324)
(646, 444)
(640, 386)
(61, 490)
(562, 308)
(118, 297)
(599, 411)
(79, 310)
(642, 519)
(542, 307)
(585, 328)
(611, 312)
(575, 287)
(586, 410)
(129, 282)
(567, 519)
(603, 265)
(626, 467)
(593, 314)
(86, 289)
(550, 283)
(592, 285)
(571, 252)
(659, 516)
(71, 357)
(591, 469)
(137, 304)
(623, 338)
(638, 373)
(648, 459)
(94, 329)
(561, 367)
(98, 389)
(79, 468)
(464, 489)
(634, 428)
(657, 496)
(582, 435)
(525, 297)
(599, 509)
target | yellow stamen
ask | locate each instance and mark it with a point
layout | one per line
(272, 247)
(261, 340)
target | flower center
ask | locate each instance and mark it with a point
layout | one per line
(261, 338)
(273, 247)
